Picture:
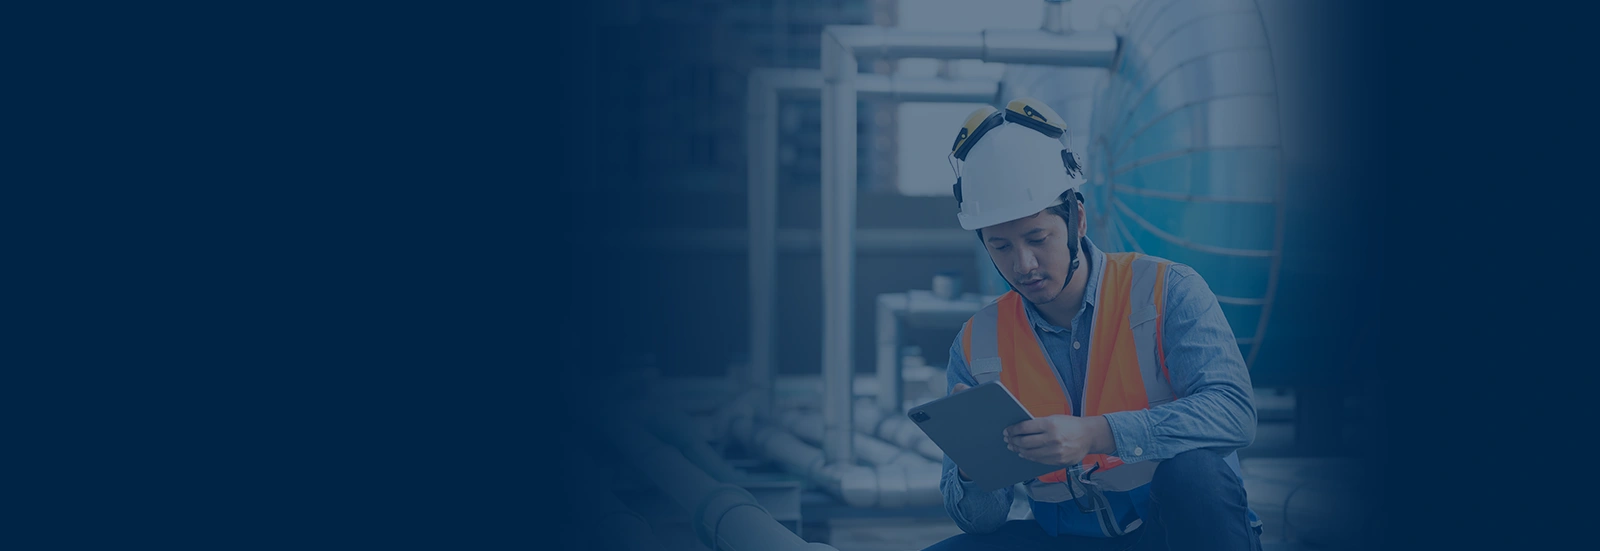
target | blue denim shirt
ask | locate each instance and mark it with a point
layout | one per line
(1215, 410)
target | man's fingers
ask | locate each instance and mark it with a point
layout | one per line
(1031, 441)
(959, 387)
(1030, 426)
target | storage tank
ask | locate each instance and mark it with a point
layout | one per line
(1181, 138)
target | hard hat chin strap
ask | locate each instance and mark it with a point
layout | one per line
(1072, 246)
(1072, 241)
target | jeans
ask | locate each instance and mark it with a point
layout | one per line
(1197, 503)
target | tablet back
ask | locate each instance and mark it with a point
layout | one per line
(969, 426)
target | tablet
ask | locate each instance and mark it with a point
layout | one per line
(970, 427)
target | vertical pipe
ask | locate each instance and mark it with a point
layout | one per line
(838, 247)
(889, 397)
(761, 135)
(1053, 15)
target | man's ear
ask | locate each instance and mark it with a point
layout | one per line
(1083, 222)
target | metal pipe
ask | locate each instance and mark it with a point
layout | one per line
(724, 516)
(895, 429)
(838, 245)
(677, 429)
(808, 426)
(1038, 47)
(884, 486)
(762, 147)
(1054, 17)
(889, 374)
(763, 92)
(1088, 48)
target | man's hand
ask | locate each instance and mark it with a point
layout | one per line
(1060, 439)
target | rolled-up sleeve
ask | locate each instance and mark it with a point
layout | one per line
(1216, 407)
(972, 509)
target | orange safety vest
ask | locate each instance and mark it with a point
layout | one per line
(1113, 382)
(1127, 371)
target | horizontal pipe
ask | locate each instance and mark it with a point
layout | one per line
(726, 517)
(1089, 48)
(895, 429)
(808, 83)
(884, 486)
(808, 426)
(1037, 47)
(870, 240)
(870, 41)
(677, 429)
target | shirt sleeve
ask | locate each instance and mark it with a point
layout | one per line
(1216, 407)
(972, 509)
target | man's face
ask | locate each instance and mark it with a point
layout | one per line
(1032, 254)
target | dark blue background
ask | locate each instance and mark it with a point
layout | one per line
(324, 276)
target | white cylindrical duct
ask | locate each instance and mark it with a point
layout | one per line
(898, 484)
(889, 373)
(729, 518)
(838, 244)
(1053, 18)
(895, 429)
(808, 426)
(1038, 47)
(896, 88)
(761, 132)
(764, 90)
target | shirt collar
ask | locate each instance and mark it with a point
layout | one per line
(1091, 289)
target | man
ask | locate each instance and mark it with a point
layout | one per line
(1137, 388)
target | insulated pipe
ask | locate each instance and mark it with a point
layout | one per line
(1089, 48)
(895, 429)
(677, 429)
(841, 46)
(889, 374)
(761, 134)
(724, 516)
(808, 426)
(886, 486)
(763, 92)
(838, 248)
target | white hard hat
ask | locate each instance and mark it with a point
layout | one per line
(1015, 166)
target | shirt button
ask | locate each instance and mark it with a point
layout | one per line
(1138, 450)
(1075, 345)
